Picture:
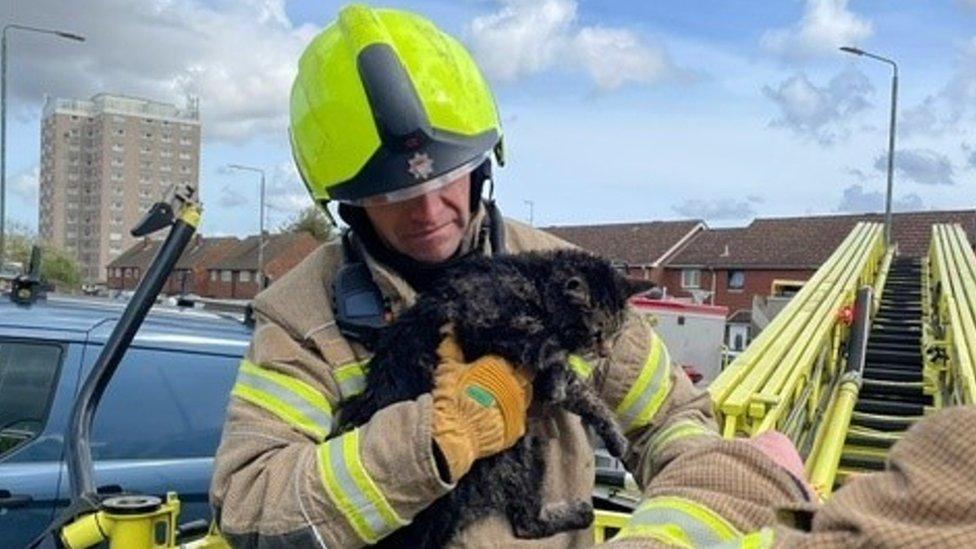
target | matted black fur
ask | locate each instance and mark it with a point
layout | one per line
(534, 309)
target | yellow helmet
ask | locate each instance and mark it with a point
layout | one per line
(386, 107)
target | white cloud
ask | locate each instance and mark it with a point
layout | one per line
(822, 113)
(855, 199)
(970, 153)
(522, 38)
(286, 194)
(951, 108)
(923, 166)
(612, 57)
(25, 186)
(231, 197)
(857, 173)
(825, 26)
(715, 209)
(528, 37)
(238, 57)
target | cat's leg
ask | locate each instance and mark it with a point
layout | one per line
(551, 379)
(529, 517)
(583, 401)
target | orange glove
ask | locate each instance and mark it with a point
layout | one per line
(479, 408)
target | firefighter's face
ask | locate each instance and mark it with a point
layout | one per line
(428, 228)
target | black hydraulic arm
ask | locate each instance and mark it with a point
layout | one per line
(182, 214)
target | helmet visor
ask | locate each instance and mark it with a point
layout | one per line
(419, 189)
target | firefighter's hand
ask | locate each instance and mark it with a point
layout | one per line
(479, 407)
(782, 452)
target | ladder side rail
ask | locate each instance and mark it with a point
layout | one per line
(797, 327)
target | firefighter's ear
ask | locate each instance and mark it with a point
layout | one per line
(576, 290)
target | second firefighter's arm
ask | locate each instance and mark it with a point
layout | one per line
(281, 477)
(730, 493)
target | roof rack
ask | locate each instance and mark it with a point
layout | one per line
(28, 287)
(227, 308)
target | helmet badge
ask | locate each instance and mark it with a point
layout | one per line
(420, 165)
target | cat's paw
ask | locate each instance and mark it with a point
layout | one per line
(555, 518)
(616, 443)
(570, 515)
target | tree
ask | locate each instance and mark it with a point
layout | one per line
(57, 266)
(313, 221)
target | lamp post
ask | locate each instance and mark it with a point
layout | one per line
(531, 205)
(260, 279)
(3, 118)
(891, 130)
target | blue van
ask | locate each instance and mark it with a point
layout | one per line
(158, 424)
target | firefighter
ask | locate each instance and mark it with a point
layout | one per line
(751, 493)
(391, 119)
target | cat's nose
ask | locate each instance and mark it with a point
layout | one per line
(605, 348)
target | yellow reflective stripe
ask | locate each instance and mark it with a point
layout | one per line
(352, 490)
(351, 379)
(681, 522)
(676, 431)
(294, 401)
(582, 368)
(650, 389)
(763, 539)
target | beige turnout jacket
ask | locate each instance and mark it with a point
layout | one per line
(283, 478)
(727, 493)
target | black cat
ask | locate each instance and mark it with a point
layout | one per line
(533, 309)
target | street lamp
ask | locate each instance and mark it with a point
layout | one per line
(260, 279)
(891, 131)
(531, 205)
(3, 118)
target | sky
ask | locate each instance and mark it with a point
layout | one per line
(612, 111)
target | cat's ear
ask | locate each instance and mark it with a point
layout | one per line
(627, 288)
(576, 290)
(630, 288)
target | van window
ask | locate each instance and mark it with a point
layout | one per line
(163, 404)
(28, 377)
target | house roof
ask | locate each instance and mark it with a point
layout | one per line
(137, 255)
(204, 250)
(630, 243)
(244, 256)
(806, 242)
(200, 250)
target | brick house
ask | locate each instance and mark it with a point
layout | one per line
(190, 275)
(214, 267)
(734, 264)
(234, 274)
(730, 267)
(124, 272)
(640, 250)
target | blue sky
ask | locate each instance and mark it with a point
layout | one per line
(612, 111)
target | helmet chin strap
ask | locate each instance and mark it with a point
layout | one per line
(479, 176)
